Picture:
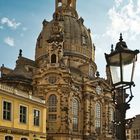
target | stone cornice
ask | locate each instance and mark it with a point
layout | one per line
(17, 131)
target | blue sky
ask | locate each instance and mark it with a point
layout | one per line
(21, 23)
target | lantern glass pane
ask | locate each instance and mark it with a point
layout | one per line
(127, 72)
(115, 73)
(128, 60)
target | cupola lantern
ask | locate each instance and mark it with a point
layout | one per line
(66, 3)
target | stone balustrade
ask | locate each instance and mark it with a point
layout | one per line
(20, 93)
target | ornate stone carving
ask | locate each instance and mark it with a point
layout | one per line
(57, 33)
(52, 79)
(65, 90)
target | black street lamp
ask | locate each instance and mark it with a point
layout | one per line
(121, 64)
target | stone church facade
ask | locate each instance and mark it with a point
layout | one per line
(64, 73)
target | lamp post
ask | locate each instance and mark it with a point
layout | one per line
(121, 64)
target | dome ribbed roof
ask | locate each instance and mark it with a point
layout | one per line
(76, 37)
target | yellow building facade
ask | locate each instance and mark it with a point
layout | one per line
(22, 116)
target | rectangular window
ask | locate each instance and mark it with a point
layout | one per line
(7, 110)
(23, 114)
(52, 117)
(52, 109)
(36, 117)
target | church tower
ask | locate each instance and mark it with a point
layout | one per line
(79, 103)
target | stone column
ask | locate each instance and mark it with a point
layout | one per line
(86, 117)
(64, 109)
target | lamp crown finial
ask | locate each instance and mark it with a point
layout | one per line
(121, 38)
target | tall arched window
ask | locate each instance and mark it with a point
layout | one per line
(75, 112)
(8, 138)
(53, 58)
(98, 117)
(52, 107)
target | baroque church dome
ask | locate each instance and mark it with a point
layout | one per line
(76, 37)
(66, 41)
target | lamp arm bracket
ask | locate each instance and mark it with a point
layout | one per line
(131, 95)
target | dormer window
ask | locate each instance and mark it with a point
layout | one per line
(84, 40)
(53, 58)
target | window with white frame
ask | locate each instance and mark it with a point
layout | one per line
(52, 108)
(36, 117)
(8, 138)
(23, 114)
(7, 110)
(98, 117)
(75, 113)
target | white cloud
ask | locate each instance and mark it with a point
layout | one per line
(118, 2)
(9, 41)
(125, 19)
(10, 23)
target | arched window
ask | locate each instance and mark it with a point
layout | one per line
(75, 113)
(53, 58)
(24, 139)
(52, 107)
(52, 102)
(8, 138)
(97, 117)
